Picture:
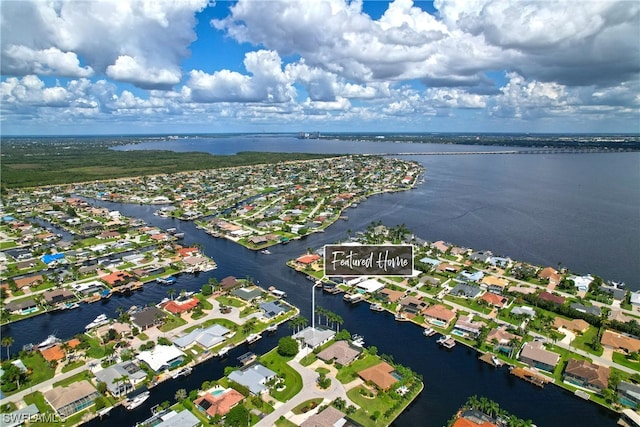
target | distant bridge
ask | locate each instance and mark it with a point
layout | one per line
(540, 151)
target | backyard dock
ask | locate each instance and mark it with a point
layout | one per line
(529, 376)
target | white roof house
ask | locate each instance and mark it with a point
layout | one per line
(207, 338)
(370, 286)
(254, 378)
(161, 357)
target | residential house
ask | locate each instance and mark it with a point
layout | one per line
(551, 275)
(58, 295)
(181, 305)
(308, 259)
(66, 401)
(448, 268)
(495, 284)
(25, 282)
(206, 338)
(340, 352)
(314, 337)
(525, 310)
(439, 315)
(412, 305)
(381, 375)
(329, 417)
(629, 394)
(582, 283)
(586, 374)
(25, 306)
(162, 357)
(121, 378)
(618, 341)
(228, 283)
(53, 354)
(274, 308)
(592, 309)
(481, 256)
(576, 325)
(466, 327)
(635, 298)
(220, 403)
(534, 354)
(255, 378)
(495, 300)
(548, 296)
(117, 278)
(466, 290)
(248, 294)
(389, 295)
(148, 317)
(502, 339)
(474, 276)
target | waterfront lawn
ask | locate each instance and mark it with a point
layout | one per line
(565, 355)
(232, 326)
(172, 322)
(382, 409)
(232, 302)
(621, 359)
(583, 341)
(39, 367)
(292, 379)
(204, 303)
(469, 303)
(350, 373)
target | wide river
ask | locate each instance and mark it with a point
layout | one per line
(581, 210)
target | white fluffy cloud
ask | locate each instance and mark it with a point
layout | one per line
(322, 61)
(141, 42)
(267, 82)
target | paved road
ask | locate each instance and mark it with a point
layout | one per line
(309, 391)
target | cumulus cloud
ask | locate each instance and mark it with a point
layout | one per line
(267, 82)
(141, 42)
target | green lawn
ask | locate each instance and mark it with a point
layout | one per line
(583, 341)
(370, 406)
(620, 359)
(37, 398)
(469, 303)
(172, 322)
(350, 373)
(293, 380)
(204, 303)
(72, 366)
(232, 302)
(39, 367)
(312, 403)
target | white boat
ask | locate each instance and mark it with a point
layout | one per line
(376, 307)
(496, 362)
(428, 332)
(358, 341)
(265, 252)
(138, 400)
(182, 372)
(253, 338)
(272, 328)
(223, 351)
(98, 321)
(49, 342)
(104, 411)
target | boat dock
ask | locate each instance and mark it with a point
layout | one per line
(529, 376)
(491, 360)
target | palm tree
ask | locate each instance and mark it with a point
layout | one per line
(172, 293)
(6, 342)
(339, 321)
(181, 394)
(123, 380)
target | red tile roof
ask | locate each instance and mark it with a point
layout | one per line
(220, 404)
(308, 259)
(180, 307)
(380, 375)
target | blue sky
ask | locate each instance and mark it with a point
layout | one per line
(192, 66)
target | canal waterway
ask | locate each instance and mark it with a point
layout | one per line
(450, 376)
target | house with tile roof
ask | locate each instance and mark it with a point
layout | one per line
(66, 401)
(534, 354)
(219, 403)
(340, 352)
(548, 296)
(439, 313)
(586, 374)
(495, 300)
(618, 341)
(380, 375)
(495, 284)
